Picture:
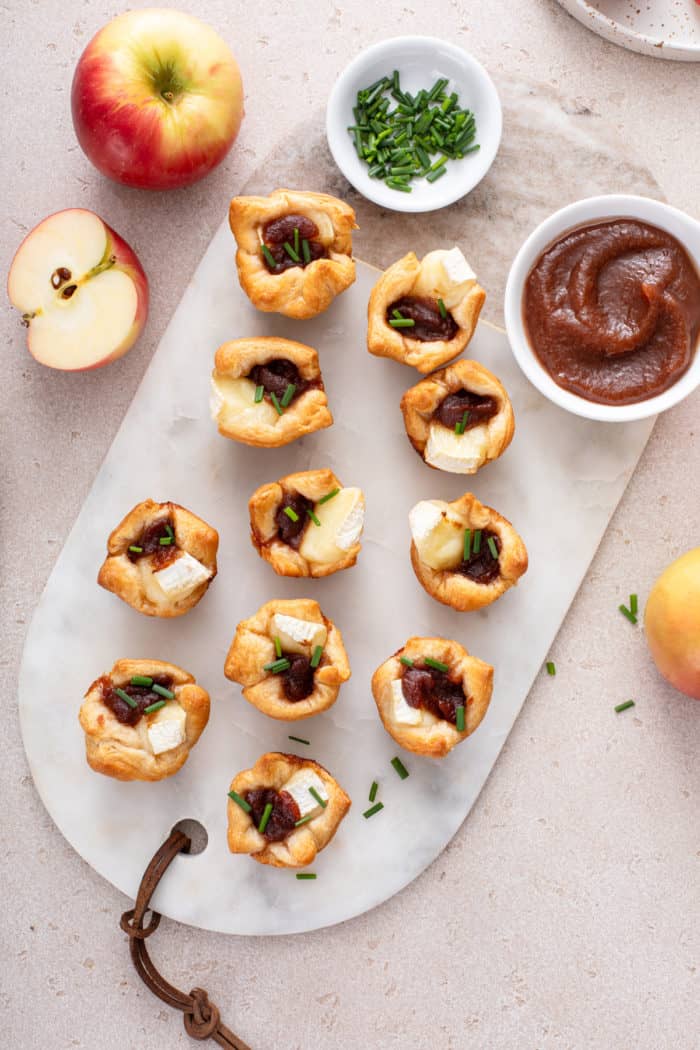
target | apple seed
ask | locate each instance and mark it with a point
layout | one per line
(69, 291)
(60, 276)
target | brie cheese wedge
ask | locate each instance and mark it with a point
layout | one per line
(166, 728)
(458, 453)
(403, 712)
(445, 275)
(342, 519)
(233, 399)
(181, 576)
(437, 533)
(298, 636)
(298, 787)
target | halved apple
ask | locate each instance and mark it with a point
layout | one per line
(81, 290)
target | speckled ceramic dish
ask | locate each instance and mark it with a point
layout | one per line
(662, 28)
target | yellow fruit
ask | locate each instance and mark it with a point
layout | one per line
(672, 623)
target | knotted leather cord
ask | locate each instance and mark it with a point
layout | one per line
(202, 1018)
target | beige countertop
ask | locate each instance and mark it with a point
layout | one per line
(564, 913)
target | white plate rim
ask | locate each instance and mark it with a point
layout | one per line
(618, 33)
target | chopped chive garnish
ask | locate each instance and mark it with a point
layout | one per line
(398, 315)
(317, 654)
(277, 666)
(459, 718)
(299, 739)
(269, 257)
(304, 820)
(626, 613)
(306, 251)
(467, 549)
(169, 530)
(288, 395)
(291, 514)
(162, 691)
(154, 707)
(142, 679)
(461, 424)
(442, 308)
(551, 669)
(323, 802)
(240, 801)
(313, 517)
(165, 541)
(477, 541)
(399, 767)
(126, 698)
(372, 810)
(259, 393)
(623, 707)
(265, 817)
(436, 664)
(492, 547)
(135, 549)
(373, 791)
(406, 660)
(306, 875)
(634, 604)
(402, 322)
(275, 402)
(433, 176)
(294, 256)
(278, 646)
(329, 495)
(296, 239)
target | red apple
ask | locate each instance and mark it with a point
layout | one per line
(81, 290)
(157, 99)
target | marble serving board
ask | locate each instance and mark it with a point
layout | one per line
(559, 483)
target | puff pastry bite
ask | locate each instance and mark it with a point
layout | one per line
(459, 418)
(141, 719)
(289, 658)
(424, 312)
(267, 391)
(160, 559)
(294, 250)
(432, 694)
(307, 524)
(284, 810)
(464, 553)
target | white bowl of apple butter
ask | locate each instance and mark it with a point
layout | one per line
(602, 307)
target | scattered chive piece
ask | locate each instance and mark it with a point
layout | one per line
(142, 679)
(291, 514)
(265, 817)
(459, 718)
(399, 767)
(317, 654)
(313, 517)
(135, 549)
(162, 691)
(165, 541)
(402, 322)
(288, 395)
(278, 647)
(492, 547)
(626, 612)
(259, 393)
(296, 239)
(477, 541)
(623, 707)
(277, 666)
(169, 531)
(373, 791)
(634, 604)
(154, 707)
(372, 810)
(275, 402)
(406, 661)
(551, 669)
(461, 424)
(299, 739)
(269, 257)
(398, 315)
(294, 256)
(306, 875)
(467, 544)
(126, 698)
(240, 801)
(329, 495)
(436, 664)
(321, 801)
(306, 251)
(442, 308)
(304, 820)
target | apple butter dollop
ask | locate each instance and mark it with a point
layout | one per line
(276, 376)
(142, 695)
(433, 690)
(285, 812)
(612, 310)
(481, 566)
(430, 326)
(290, 529)
(479, 409)
(280, 231)
(148, 543)
(298, 679)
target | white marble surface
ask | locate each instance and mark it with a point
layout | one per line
(561, 915)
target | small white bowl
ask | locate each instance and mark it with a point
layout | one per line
(420, 60)
(595, 209)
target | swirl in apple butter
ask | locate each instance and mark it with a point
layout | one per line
(433, 690)
(612, 311)
(157, 541)
(285, 812)
(280, 232)
(143, 696)
(481, 566)
(479, 408)
(290, 526)
(429, 324)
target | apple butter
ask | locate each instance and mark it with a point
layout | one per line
(433, 690)
(429, 325)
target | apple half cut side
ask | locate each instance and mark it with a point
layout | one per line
(81, 290)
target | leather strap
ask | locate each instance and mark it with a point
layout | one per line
(202, 1018)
